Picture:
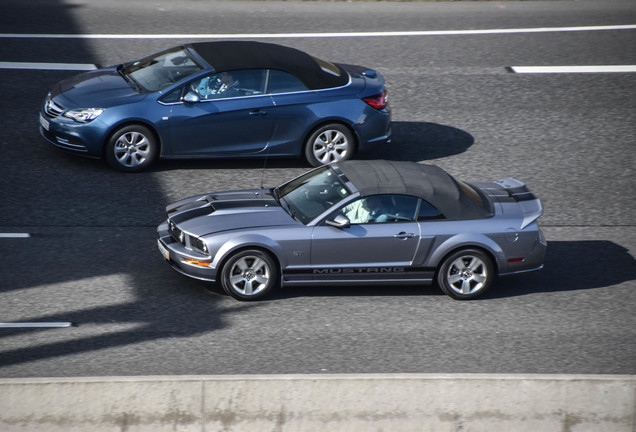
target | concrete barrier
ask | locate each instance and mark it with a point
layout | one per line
(280, 403)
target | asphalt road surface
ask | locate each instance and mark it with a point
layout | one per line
(91, 258)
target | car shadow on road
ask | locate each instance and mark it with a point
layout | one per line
(572, 266)
(421, 141)
(411, 141)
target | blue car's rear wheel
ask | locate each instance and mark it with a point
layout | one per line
(249, 275)
(131, 149)
(465, 274)
(329, 143)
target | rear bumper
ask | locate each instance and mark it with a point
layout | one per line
(532, 260)
(376, 131)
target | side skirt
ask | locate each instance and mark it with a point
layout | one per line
(358, 282)
(358, 276)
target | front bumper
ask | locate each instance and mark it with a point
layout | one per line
(82, 138)
(187, 262)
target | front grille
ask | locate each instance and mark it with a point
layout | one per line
(52, 109)
(176, 233)
(189, 241)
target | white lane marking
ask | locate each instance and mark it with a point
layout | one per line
(35, 325)
(317, 35)
(15, 235)
(47, 66)
(573, 69)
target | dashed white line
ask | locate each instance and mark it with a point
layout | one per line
(15, 235)
(573, 69)
(36, 325)
(319, 35)
(47, 66)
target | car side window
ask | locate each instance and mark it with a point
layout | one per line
(230, 84)
(381, 209)
(282, 82)
(428, 212)
(173, 97)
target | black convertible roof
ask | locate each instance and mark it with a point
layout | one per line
(235, 55)
(429, 182)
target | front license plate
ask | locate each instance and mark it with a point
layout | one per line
(164, 251)
(44, 122)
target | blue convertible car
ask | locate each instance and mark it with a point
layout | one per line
(219, 99)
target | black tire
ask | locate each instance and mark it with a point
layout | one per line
(466, 274)
(246, 268)
(329, 143)
(131, 149)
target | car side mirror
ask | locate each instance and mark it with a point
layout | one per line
(340, 221)
(191, 97)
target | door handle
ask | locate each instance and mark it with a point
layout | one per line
(258, 113)
(404, 235)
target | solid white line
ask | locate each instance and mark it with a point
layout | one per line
(327, 377)
(573, 69)
(36, 325)
(47, 66)
(318, 35)
(15, 235)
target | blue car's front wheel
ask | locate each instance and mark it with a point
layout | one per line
(330, 143)
(131, 149)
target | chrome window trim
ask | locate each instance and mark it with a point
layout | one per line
(261, 95)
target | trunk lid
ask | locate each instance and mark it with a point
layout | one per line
(510, 191)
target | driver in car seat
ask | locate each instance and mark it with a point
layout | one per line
(221, 85)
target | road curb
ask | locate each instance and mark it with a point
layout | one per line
(364, 402)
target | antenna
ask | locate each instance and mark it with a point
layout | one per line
(264, 166)
(267, 146)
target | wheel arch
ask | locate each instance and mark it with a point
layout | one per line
(261, 243)
(463, 241)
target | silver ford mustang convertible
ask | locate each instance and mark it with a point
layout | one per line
(358, 222)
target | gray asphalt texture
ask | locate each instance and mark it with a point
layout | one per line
(92, 258)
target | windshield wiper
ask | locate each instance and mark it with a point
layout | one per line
(134, 84)
(287, 208)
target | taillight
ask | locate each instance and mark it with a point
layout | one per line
(377, 101)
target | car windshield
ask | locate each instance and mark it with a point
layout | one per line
(156, 72)
(309, 195)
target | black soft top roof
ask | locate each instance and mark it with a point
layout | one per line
(429, 182)
(235, 55)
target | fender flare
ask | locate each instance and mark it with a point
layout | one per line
(464, 241)
(248, 241)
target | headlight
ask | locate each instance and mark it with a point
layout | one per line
(83, 115)
(199, 244)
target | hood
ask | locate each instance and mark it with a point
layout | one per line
(222, 211)
(102, 88)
